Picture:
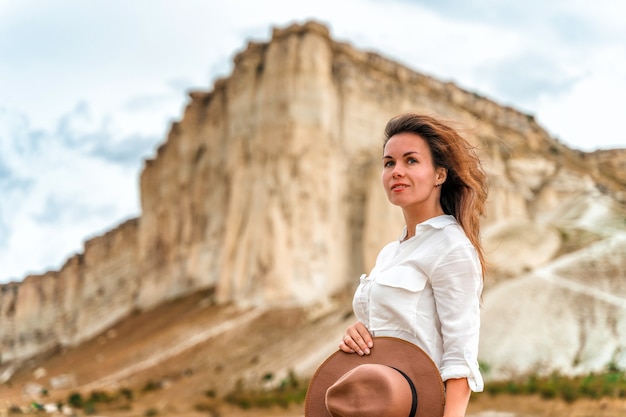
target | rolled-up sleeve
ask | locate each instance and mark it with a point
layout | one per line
(457, 285)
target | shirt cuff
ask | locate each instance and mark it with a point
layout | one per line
(469, 371)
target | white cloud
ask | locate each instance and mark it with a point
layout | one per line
(592, 109)
(56, 193)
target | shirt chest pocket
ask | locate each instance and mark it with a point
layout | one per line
(395, 298)
(403, 278)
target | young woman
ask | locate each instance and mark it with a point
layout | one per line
(425, 287)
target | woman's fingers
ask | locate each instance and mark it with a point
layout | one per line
(343, 345)
(357, 339)
(366, 337)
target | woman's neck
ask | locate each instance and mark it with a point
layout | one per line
(413, 219)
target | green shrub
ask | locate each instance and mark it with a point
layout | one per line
(75, 400)
(151, 386)
(126, 393)
(570, 389)
(100, 397)
(289, 391)
(89, 408)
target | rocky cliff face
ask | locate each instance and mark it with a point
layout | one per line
(92, 291)
(267, 191)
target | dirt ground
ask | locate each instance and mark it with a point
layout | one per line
(173, 347)
(481, 405)
(485, 405)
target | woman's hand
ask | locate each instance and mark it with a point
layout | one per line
(357, 339)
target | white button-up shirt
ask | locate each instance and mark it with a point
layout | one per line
(426, 290)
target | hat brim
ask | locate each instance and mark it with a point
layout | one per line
(389, 351)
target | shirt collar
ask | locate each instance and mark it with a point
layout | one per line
(437, 222)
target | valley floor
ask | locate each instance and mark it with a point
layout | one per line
(485, 405)
(482, 405)
(172, 357)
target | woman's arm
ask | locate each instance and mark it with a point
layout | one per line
(457, 397)
(457, 285)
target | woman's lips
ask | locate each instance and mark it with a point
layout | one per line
(398, 187)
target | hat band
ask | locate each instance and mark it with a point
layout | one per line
(413, 392)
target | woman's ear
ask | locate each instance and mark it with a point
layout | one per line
(442, 175)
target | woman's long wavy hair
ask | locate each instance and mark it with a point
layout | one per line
(464, 193)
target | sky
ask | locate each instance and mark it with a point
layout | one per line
(88, 89)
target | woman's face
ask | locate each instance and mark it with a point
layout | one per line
(409, 175)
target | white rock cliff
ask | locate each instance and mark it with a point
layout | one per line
(267, 190)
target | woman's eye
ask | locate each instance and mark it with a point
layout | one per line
(388, 164)
(412, 161)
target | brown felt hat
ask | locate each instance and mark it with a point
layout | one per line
(397, 379)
